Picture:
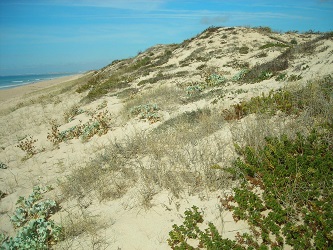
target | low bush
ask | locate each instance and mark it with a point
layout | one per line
(269, 45)
(32, 220)
(314, 98)
(146, 111)
(190, 231)
(98, 124)
(295, 192)
(244, 50)
(284, 193)
(284, 196)
(262, 71)
(27, 145)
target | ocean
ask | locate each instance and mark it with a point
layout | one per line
(7, 82)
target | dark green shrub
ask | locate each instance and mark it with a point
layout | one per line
(207, 239)
(269, 45)
(256, 73)
(263, 29)
(244, 50)
(294, 78)
(293, 176)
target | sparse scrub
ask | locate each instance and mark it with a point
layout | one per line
(98, 124)
(147, 112)
(140, 63)
(160, 76)
(208, 32)
(105, 177)
(280, 63)
(196, 55)
(262, 71)
(94, 80)
(215, 80)
(281, 77)
(79, 223)
(72, 112)
(212, 78)
(263, 29)
(284, 194)
(163, 96)
(120, 166)
(281, 181)
(102, 105)
(270, 45)
(261, 55)
(163, 59)
(293, 78)
(285, 101)
(2, 195)
(244, 50)
(27, 145)
(239, 75)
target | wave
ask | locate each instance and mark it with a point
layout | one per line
(14, 85)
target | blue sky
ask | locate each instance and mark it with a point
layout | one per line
(44, 36)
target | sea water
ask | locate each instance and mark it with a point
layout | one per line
(7, 82)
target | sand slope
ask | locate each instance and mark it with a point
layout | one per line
(142, 216)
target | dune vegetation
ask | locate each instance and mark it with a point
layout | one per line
(224, 141)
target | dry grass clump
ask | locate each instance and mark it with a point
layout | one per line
(182, 155)
(98, 179)
(82, 224)
(165, 97)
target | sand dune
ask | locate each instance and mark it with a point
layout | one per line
(136, 203)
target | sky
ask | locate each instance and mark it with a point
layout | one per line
(51, 36)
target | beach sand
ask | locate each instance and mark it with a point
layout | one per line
(18, 92)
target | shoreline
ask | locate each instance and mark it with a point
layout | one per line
(19, 91)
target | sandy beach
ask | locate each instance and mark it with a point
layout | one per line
(18, 92)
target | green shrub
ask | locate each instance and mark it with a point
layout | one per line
(93, 81)
(292, 175)
(72, 112)
(140, 63)
(31, 218)
(239, 75)
(269, 45)
(284, 195)
(189, 230)
(98, 124)
(244, 50)
(262, 54)
(279, 63)
(146, 111)
(294, 78)
(215, 79)
(281, 77)
(194, 90)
